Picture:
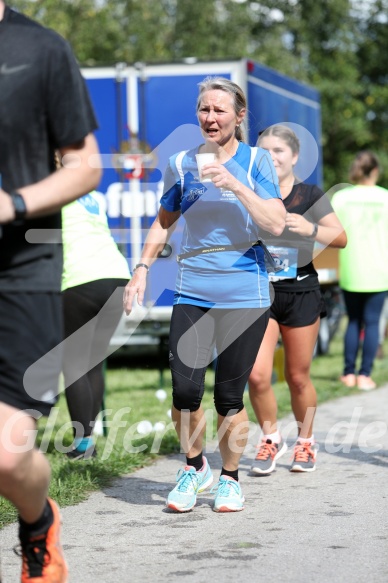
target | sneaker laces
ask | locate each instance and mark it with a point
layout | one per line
(302, 451)
(187, 480)
(225, 487)
(34, 554)
(266, 449)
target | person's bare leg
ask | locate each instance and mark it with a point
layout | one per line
(298, 349)
(24, 471)
(261, 393)
(232, 438)
(190, 427)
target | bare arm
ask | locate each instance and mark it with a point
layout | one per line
(74, 179)
(157, 237)
(330, 232)
(268, 214)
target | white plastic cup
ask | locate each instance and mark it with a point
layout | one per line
(203, 159)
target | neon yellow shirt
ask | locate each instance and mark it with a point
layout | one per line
(89, 250)
(363, 212)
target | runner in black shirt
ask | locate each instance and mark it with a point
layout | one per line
(44, 108)
(297, 307)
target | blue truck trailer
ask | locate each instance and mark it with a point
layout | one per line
(146, 113)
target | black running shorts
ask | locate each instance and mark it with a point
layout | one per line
(30, 358)
(297, 309)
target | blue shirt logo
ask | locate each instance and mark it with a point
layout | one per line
(90, 204)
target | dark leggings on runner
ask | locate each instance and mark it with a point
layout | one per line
(363, 309)
(197, 336)
(91, 312)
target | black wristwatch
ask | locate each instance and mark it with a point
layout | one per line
(314, 233)
(18, 204)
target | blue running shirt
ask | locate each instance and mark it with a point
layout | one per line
(215, 217)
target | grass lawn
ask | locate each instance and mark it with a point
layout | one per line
(131, 398)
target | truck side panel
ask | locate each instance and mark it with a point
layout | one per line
(274, 98)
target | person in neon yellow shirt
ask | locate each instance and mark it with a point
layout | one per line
(94, 272)
(363, 265)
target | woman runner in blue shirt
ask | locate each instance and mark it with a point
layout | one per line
(222, 292)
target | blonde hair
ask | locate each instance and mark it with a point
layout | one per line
(239, 99)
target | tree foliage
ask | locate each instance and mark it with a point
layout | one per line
(337, 46)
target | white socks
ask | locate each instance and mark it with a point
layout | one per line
(306, 440)
(274, 437)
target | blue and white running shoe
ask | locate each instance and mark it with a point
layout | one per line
(229, 497)
(189, 483)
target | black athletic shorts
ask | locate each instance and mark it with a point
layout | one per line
(297, 309)
(30, 351)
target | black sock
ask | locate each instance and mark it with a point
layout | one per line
(196, 462)
(41, 525)
(231, 473)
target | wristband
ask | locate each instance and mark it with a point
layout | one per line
(18, 204)
(141, 265)
(314, 233)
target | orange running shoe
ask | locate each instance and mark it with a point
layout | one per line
(43, 560)
(265, 460)
(305, 455)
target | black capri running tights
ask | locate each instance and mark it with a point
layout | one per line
(197, 336)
